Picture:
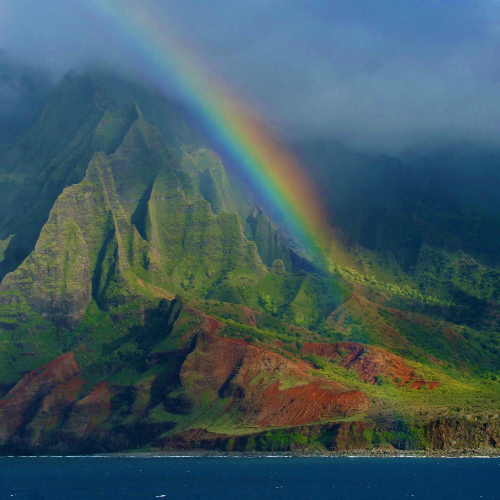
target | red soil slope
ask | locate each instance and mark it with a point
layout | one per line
(88, 413)
(18, 405)
(257, 387)
(371, 363)
(264, 387)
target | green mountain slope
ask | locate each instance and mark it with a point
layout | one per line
(145, 302)
(77, 121)
(401, 227)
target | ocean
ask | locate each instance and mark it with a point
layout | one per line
(228, 478)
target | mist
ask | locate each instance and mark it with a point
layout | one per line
(383, 76)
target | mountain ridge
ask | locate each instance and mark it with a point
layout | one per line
(180, 309)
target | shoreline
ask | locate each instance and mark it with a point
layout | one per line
(313, 454)
(280, 454)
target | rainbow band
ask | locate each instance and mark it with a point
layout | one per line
(247, 142)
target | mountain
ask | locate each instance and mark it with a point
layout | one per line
(148, 301)
(401, 225)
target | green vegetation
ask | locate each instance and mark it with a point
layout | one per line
(109, 210)
(351, 275)
(280, 440)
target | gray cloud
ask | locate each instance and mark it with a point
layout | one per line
(383, 74)
(23, 89)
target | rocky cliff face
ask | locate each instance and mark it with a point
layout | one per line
(272, 243)
(77, 121)
(134, 212)
(461, 437)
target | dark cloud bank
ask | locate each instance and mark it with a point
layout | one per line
(381, 74)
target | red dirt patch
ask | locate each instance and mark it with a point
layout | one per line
(50, 411)
(369, 362)
(264, 387)
(307, 403)
(89, 412)
(32, 387)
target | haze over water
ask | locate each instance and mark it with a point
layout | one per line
(249, 478)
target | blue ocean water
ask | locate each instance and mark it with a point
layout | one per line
(124, 478)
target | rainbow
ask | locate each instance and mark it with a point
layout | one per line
(249, 144)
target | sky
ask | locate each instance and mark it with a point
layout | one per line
(382, 75)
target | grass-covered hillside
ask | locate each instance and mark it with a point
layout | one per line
(146, 302)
